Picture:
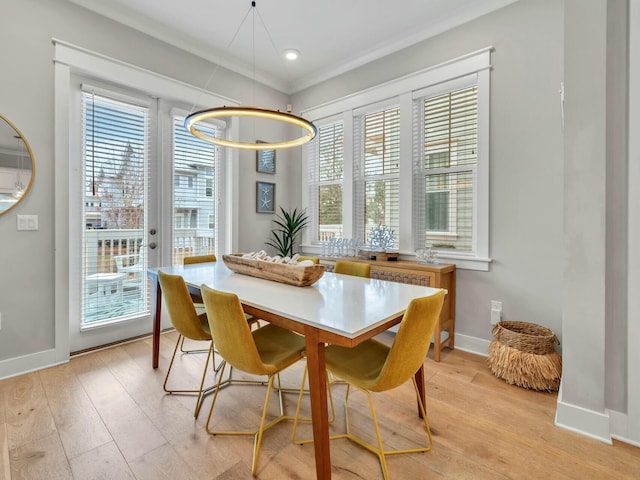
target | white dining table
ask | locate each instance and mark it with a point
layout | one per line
(337, 309)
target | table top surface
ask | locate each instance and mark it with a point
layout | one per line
(342, 304)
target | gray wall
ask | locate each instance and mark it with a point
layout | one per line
(26, 97)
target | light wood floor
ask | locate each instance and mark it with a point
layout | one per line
(104, 415)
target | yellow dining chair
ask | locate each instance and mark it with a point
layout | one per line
(265, 351)
(197, 299)
(199, 259)
(315, 260)
(188, 324)
(357, 269)
(374, 367)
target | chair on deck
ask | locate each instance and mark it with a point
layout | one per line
(188, 324)
(133, 266)
(265, 351)
(375, 367)
(357, 269)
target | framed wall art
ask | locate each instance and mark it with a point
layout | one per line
(265, 197)
(265, 160)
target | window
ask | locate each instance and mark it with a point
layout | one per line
(446, 170)
(208, 189)
(326, 186)
(115, 142)
(194, 167)
(415, 158)
(377, 185)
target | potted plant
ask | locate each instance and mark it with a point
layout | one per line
(289, 226)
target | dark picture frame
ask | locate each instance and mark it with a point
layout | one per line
(265, 160)
(265, 197)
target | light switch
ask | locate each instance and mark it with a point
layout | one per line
(27, 222)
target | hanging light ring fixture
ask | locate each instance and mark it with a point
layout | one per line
(192, 120)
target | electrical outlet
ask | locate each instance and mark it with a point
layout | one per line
(496, 311)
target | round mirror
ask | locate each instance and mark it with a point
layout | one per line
(17, 167)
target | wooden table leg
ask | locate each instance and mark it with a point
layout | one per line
(319, 410)
(156, 301)
(419, 376)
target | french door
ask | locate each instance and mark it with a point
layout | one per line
(113, 227)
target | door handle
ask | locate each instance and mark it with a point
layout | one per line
(152, 245)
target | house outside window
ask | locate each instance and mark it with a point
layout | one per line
(194, 167)
(449, 150)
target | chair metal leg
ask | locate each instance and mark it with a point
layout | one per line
(379, 449)
(202, 391)
(263, 426)
(297, 417)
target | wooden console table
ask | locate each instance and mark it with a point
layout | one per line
(436, 276)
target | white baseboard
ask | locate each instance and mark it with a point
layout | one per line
(470, 344)
(28, 363)
(586, 422)
(620, 427)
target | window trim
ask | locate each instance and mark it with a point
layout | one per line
(473, 66)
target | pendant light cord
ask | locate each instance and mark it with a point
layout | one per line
(226, 50)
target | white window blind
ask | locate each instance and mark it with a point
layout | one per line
(327, 170)
(377, 172)
(194, 192)
(446, 146)
(115, 146)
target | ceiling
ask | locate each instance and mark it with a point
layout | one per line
(333, 36)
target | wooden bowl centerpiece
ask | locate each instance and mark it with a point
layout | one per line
(291, 274)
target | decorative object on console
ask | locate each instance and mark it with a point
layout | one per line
(341, 247)
(426, 256)
(381, 238)
(380, 246)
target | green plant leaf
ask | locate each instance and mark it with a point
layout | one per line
(290, 226)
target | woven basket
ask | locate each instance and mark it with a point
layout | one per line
(524, 354)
